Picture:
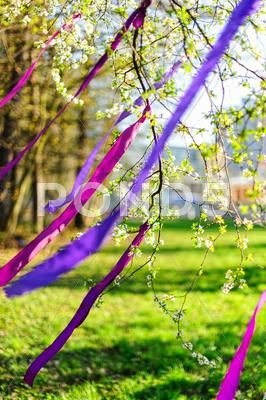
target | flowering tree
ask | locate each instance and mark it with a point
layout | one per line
(232, 135)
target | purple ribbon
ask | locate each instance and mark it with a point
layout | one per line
(231, 380)
(89, 242)
(22, 82)
(121, 145)
(83, 309)
(98, 66)
(54, 205)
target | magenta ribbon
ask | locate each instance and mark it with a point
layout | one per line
(45, 237)
(92, 239)
(83, 309)
(54, 205)
(121, 145)
(31, 250)
(231, 380)
(23, 80)
(133, 19)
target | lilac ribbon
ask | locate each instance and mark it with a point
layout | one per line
(231, 380)
(98, 66)
(22, 82)
(88, 243)
(83, 309)
(121, 145)
(54, 205)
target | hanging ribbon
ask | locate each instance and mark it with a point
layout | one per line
(83, 309)
(89, 242)
(48, 234)
(54, 205)
(138, 13)
(22, 82)
(231, 380)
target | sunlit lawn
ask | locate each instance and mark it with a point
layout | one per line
(127, 349)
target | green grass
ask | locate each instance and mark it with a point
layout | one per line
(127, 349)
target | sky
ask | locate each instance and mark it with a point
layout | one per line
(234, 92)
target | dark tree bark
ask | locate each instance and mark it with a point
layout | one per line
(79, 220)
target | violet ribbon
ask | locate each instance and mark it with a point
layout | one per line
(231, 380)
(94, 71)
(76, 251)
(23, 80)
(83, 309)
(121, 145)
(54, 205)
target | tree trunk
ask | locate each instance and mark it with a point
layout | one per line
(79, 220)
(8, 184)
(15, 212)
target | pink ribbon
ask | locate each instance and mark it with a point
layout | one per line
(83, 309)
(44, 274)
(231, 380)
(54, 205)
(22, 82)
(121, 145)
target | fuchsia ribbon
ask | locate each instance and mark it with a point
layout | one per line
(8, 271)
(31, 250)
(84, 309)
(54, 205)
(134, 19)
(231, 380)
(48, 234)
(22, 82)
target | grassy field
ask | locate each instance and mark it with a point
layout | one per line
(127, 349)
